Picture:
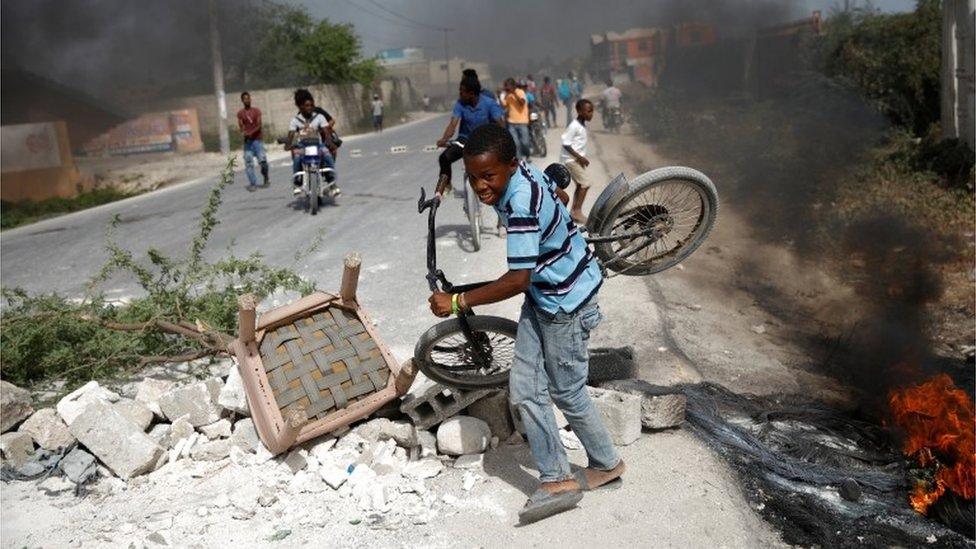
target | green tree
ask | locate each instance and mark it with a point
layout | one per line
(330, 53)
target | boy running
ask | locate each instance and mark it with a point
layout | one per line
(573, 155)
(550, 263)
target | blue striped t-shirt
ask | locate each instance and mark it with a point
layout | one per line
(542, 237)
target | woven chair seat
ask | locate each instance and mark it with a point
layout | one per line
(322, 363)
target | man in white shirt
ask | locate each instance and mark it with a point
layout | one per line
(309, 127)
(377, 113)
(612, 95)
(573, 155)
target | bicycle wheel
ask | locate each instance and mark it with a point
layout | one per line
(446, 356)
(540, 139)
(472, 207)
(314, 184)
(678, 204)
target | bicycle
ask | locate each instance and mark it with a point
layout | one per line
(472, 206)
(637, 228)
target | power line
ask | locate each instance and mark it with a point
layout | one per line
(386, 18)
(405, 18)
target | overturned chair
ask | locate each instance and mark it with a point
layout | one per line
(315, 365)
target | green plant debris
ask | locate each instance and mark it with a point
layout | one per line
(15, 214)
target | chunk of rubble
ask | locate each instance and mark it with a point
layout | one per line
(135, 411)
(461, 435)
(16, 447)
(160, 433)
(423, 469)
(15, 405)
(179, 430)
(148, 392)
(74, 403)
(402, 432)
(661, 407)
(470, 461)
(428, 443)
(117, 442)
(296, 460)
(245, 436)
(213, 450)
(198, 401)
(333, 474)
(386, 460)
(219, 429)
(232, 396)
(47, 429)
(621, 413)
(79, 466)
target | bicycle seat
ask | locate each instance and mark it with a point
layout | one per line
(559, 174)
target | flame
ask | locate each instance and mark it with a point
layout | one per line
(939, 425)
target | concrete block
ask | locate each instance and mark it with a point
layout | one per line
(116, 441)
(436, 403)
(148, 392)
(16, 447)
(661, 407)
(621, 414)
(198, 400)
(47, 430)
(135, 411)
(494, 409)
(78, 466)
(71, 406)
(232, 396)
(218, 429)
(15, 405)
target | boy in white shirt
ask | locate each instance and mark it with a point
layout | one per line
(573, 155)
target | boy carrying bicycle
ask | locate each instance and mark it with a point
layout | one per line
(548, 261)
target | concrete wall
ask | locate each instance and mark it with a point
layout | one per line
(347, 103)
(36, 163)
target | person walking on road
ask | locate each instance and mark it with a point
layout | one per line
(565, 91)
(377, 113)
(550, 263)
(426, 101)
(249, 123)
(517, 106)
(547, 100)
(573, 155)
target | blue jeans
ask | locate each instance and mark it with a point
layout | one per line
(254, 148)
(523, 143)
(551, 366)
(296, 161)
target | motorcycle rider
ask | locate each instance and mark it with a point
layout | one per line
(310, 124)
(473, 108)
(610, 98)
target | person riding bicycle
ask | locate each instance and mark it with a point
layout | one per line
(549, 263)
(312, 125)
(473, 109)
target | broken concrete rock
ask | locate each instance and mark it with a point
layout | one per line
(198, 400)
(470, 461)
(16, 447)
(72, 405)
(245, 435)
(428, 443)
(213, 450)
(148, 392)
(423, 469)
(433, 403)
(494, 409)
(219, 429)
(461, 435)
(179, 430)
(15, 405)
(403, 433)
(232, 396)
(160, 433)
(79, 466)
(661, 407)
(116, 441)
(296, 460)
(136, 412)
(621, 414)
(47, 429)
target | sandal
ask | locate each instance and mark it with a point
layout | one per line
(543, 504)
(602, 479)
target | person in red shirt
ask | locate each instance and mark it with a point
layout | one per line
(547, 99)
(249, 122)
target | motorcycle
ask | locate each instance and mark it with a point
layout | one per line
(537, 134)
(318, 180)
(613, 118)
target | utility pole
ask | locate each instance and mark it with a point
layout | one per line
(218, 70)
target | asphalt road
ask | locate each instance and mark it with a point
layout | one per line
(376, 216)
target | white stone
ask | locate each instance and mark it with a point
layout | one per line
(219, 429)
(333, 474)
(213, 450)
(305, 482)
(47, 430)
(232, 396)
(245, 435)
(321, 449)
(423, 469)
(160, 433)
(469, 480)
(16, 447)
(470, 461)
(72, 405)
(428, 443)
(117, 442)
(402, 432)
(134, 411)
(198, 400)
(15, 405)
(461, 435)
(386, 460)
(148, 392)
(621, 413)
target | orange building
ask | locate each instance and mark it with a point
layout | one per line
(638, 54)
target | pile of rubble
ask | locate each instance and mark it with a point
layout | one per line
(161, 428)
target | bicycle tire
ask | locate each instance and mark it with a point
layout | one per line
(429, 363)
(541, 143)
(628, 212)
(473, 209)
(313, 192)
